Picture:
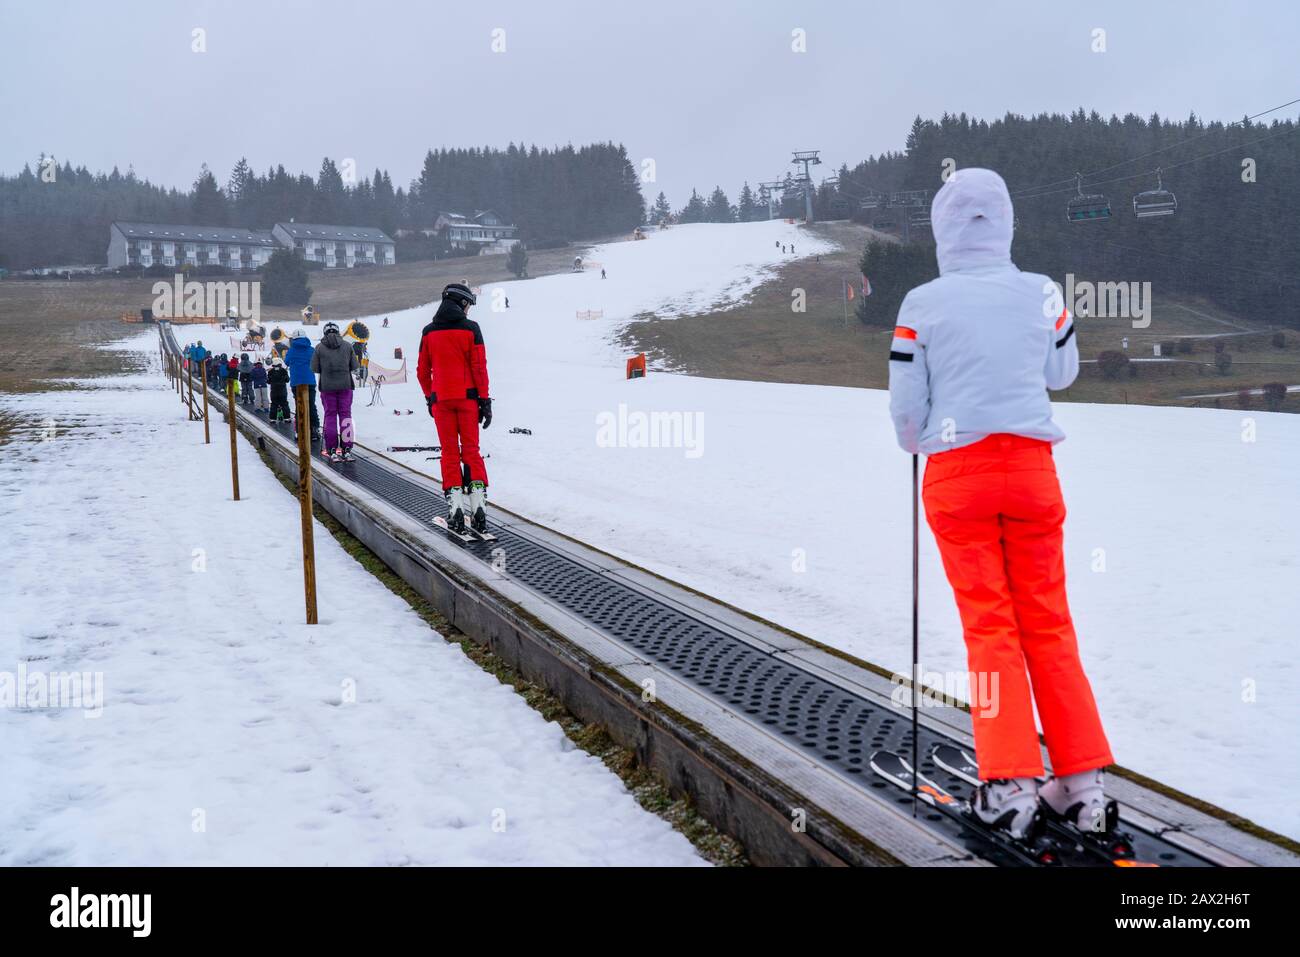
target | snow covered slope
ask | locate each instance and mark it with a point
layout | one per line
(793, 501)
(230, 732)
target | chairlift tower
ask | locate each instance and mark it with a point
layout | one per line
(807, 158)
(767, 194)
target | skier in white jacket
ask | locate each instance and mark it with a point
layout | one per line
(973, 357)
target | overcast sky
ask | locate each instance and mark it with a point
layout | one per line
(711, 91)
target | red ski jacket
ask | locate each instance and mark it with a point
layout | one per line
(453, 360)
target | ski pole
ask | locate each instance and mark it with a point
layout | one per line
(916, 636)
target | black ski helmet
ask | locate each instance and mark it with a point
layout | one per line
(459, 293)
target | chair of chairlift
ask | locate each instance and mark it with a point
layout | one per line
(1086, 208)
(1155, 202)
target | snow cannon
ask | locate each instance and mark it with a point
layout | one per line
(577, 264)
(311, 316)
(357, 332)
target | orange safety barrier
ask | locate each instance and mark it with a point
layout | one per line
(636, 366)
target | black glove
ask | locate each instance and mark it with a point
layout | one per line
(429, 400)
(485, 412)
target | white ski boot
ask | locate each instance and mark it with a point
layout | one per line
(1080, 800)
(1009, 804)
(478, 507)
(456, 510)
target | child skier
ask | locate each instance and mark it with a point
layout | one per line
(298, 359)
(259, 380)
(335, 361)
(278, 379)
(453, 375)
(245, 378)
(973, 356)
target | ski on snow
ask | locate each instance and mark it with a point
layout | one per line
(1112, 842)
(1037, 849)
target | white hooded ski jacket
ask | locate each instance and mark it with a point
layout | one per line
(976, 350)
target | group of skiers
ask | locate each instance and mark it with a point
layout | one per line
(261, 385)
(973, 356)
(264, 386)
(452, 372)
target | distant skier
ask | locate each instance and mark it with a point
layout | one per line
(453, 374)
(507, 298)
(385, 322)
(602, 272)
(335, 361)
(973, 356)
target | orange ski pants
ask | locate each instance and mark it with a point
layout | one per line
(996, 511)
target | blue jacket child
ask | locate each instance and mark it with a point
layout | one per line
(298, 359)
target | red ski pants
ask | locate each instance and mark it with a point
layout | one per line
(457, 422)
(996, 511)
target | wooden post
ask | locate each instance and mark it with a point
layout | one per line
(301, 394)
(207, 432)
(234, 449)
(189, 380)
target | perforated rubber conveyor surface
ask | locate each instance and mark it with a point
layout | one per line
(828, 723)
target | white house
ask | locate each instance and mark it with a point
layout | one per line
(337, 247)
(484, 230)
(156, 244)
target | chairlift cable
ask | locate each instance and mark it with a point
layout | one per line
(1133, 159)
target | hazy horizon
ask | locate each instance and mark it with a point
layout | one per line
(714, 95)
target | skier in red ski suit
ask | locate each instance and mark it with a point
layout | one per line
(973, 357)
(453, 375)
